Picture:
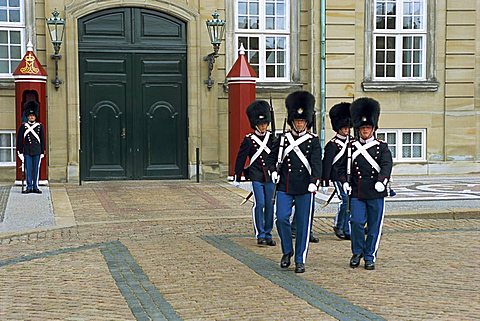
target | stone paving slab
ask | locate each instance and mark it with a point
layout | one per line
(427, 269)
(180, 250)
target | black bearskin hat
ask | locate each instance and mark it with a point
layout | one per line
(258, 112)
(365, 111)
(340, 116)
(300, 105)
(30, 107)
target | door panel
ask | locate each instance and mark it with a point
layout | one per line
(163, 115)
(103, 107)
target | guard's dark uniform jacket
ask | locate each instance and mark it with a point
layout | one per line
(294, 173)
(363, 171)
(31, 139)
(335, 149)
(256, 170)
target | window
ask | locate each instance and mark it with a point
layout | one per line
(399, 40)
(400, 45)
(406, 145)
(7, 148)
(11, 35)
(263, 27)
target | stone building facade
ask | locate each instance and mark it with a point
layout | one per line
(133, 103)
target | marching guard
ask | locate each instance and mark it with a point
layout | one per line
(335, 150)
(257, 146)
(31, 146)
(297, 168)
(370, 163)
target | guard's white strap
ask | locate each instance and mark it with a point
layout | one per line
(262, 147)
(342, 151)
(362, 149)
(293, 145)
(30, 129)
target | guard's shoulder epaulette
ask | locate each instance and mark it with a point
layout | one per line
(313, 134)
(249, 135)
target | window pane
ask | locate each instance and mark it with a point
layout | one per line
(417, 138)
(391, 138)
(3, 15)
(270, 43)
(417, 8)
(270, 55)
(242, 40)
(407, 23)
(280, 71)
(280, 23)
(3, 3)
(5, 156)
(281, 43)
(253, 8)
(281, 9)
(406, 138)
(379, 71)
(391, 9)
(390, 23)
(14, 3)
(407, 57)
(253, 22)
(270, 71)
(281, 57)
(270, 23)
(242, 22)
(391, 56)
(417, 151)
(253, 57)
(242, 8)
(417, 43)
(380, 22)
(406, 71)
(14, 65)
(16, 53)
(14, 16)
(381, 136)
(380, 42)
(406, 152)
(407, 8)
(417, 56)
(270, 9)
(380, 8)
(417, 71)
(417, 23)
(390, 70)
(4, 67)
(407, 42)
(393, 150)
(3, 52)
(5, 140)
(390, 42)
(15, 37)
(380, 56)
(254, 43)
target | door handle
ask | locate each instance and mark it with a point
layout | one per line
(123, 134)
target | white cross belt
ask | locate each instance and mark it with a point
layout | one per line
(293, 145)
(362, 149)
(262, 147)
(30, 129)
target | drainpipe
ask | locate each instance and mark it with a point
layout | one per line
(322, 71)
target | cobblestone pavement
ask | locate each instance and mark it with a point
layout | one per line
(185, 251)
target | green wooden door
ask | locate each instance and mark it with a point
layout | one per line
(133, 96)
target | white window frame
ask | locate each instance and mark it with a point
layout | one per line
(399, 158)
(14, 26)
(262, 33)
(12, 148)
(429, 82)
(399, 33)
